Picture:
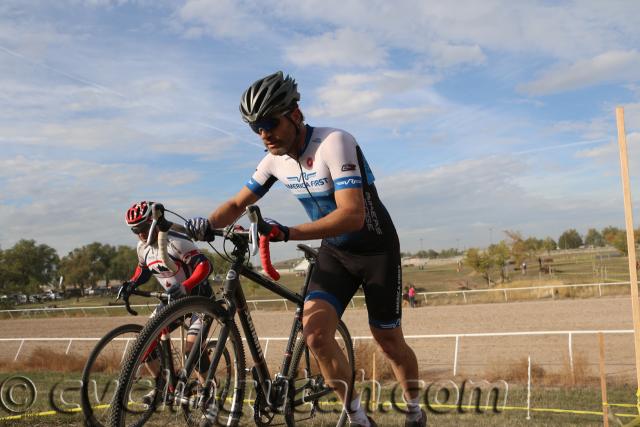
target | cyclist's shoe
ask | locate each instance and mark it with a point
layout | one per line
(371, 423)
(154, 397)
(422, 422)
(210, 416)
(150, 398)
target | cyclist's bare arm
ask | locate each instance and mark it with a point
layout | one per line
(230, 210)
(348, 216)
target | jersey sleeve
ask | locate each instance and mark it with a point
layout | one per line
(182, 249)
(262, 179)
(339, 152)
(140, 252)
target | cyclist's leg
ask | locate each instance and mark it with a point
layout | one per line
(401, 357)
(153, 363)
(331, 287)
(319, 322)
(383, 295)
(202, 365)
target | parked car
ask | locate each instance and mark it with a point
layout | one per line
(19, 298)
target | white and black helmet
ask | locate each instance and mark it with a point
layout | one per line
(269, 96)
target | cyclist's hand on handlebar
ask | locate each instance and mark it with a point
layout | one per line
(177, 291)
(125, 289)
(281, 232)
(199, 228)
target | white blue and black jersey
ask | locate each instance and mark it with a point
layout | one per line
(330, 161)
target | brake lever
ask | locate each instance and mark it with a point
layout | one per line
(253, 238)
(125, 298)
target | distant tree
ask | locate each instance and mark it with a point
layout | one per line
(533, 245)
(594, 238)
(421, 254)
(123, 263)
(433, 254)
(500, 254)
(548, 244)
(76, 269)
(449, 253)
(517, 246)
(85, 266)
(28, 265)
(480, 262)
(620, 240)
(488, 262)
(570, 239)
(610, 233)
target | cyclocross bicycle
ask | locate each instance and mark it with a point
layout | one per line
(103, 364)
(297, 392)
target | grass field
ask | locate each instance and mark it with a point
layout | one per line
(556, 397)
(58, 392)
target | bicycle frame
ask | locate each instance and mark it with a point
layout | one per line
(237, 304)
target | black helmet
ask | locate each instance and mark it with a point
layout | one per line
(269, 96)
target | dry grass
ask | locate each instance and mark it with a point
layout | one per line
(517, 372)
(42, 359)
(365, 352)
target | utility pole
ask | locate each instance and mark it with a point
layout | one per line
(421, 245)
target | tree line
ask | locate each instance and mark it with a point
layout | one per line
(28, 265)
(433, 254)
(491, 263)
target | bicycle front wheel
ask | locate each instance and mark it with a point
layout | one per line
(314, 398)
(100, 373)
(166, 392)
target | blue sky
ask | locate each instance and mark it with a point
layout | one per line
(476, 117)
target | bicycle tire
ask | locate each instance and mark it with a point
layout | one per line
(94, 376)
(325, 407)
(123, 412)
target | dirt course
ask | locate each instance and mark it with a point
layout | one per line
(476, 356)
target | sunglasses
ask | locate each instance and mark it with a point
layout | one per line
(141, 228)
(267, 124)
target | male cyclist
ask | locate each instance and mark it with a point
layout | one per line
(326, 170)
(191, 278)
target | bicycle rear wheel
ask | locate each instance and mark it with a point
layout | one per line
(143, 398)
(101, 371)
(313, 398)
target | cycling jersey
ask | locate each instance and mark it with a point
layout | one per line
(186, 257)
(330, 161)
(181, 250)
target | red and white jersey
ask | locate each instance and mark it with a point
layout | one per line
(180, 250)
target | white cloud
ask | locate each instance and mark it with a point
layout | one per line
(342, 48)
(501, 192)
(401, 115)
(69, 203)
(349, 94)
(201, 150)
(446, 55)
(562, 30)
(609, 154)
(612, 66)
(221, 18)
